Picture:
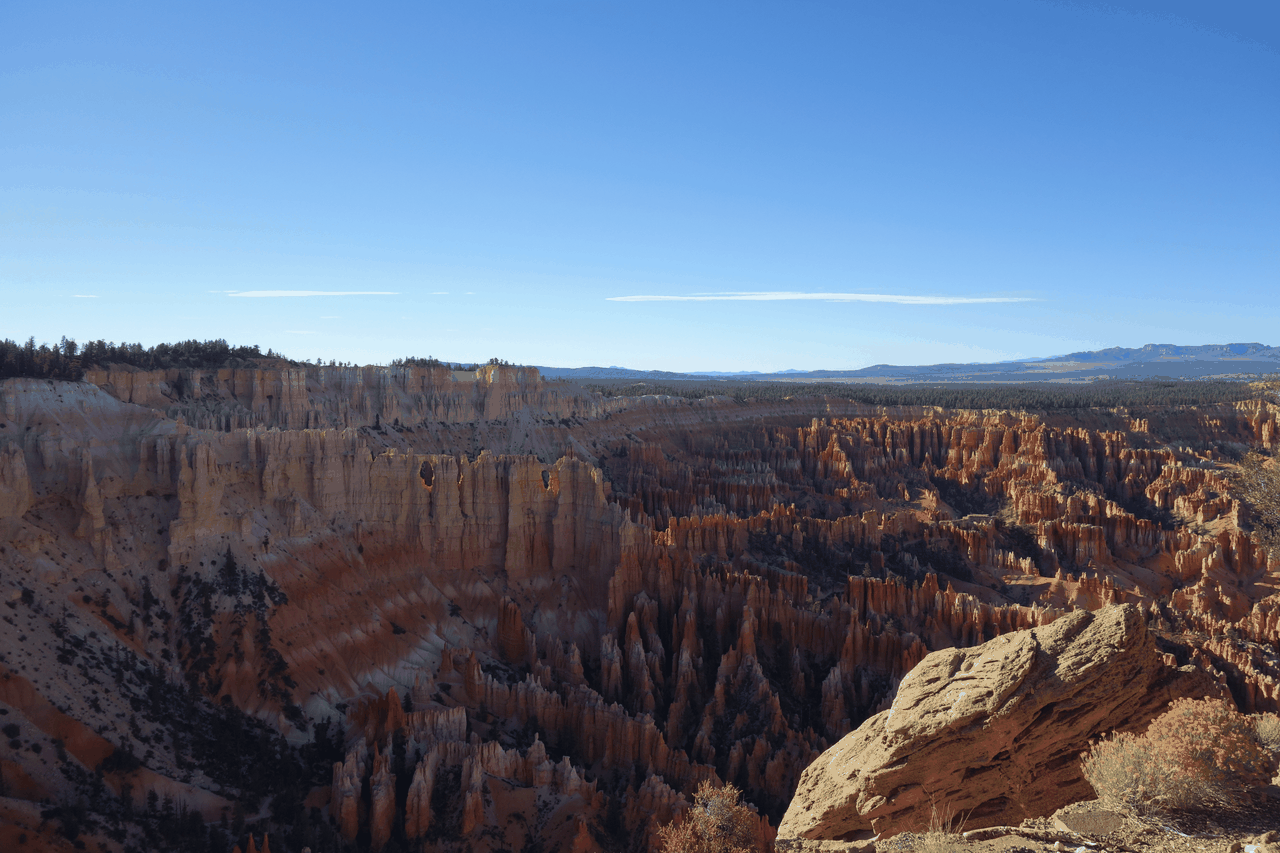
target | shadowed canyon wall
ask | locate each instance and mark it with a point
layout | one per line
(394, 609)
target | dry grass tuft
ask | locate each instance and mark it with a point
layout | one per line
(942, 836)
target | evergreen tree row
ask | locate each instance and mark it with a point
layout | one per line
(68, 359)
(431, 361)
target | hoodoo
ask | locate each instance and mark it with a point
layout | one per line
(411, 608)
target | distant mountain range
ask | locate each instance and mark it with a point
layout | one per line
(1148, 362)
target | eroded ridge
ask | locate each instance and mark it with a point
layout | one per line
(453, 606)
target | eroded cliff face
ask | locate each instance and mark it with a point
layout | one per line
(485, 613)
(327, 397)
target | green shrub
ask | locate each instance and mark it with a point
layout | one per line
(1201, 753)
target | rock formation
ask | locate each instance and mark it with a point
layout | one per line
(993, 732)
(438, 602)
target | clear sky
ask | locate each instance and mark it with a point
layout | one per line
(964, 181)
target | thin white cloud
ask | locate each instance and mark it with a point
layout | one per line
(440, 293)
(85, 296)
(266, 294)
(793, 296)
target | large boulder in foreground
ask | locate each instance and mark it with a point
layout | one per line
(991, 734)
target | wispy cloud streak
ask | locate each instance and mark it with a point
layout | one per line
(268, 294)
(792, 296)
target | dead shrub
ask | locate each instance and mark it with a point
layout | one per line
(1201, 753)
(718, 822)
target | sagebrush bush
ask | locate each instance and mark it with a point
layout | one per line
(1126, 773)
(1200, 753)
(1257, 481)
(1268, 726)
(718, 822)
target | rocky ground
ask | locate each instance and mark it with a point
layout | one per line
(1088, 827)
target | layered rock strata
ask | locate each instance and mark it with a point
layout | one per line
(594, 605)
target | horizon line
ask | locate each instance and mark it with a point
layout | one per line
(267, 294)
(787, 296)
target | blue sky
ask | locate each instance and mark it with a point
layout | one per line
(489, 178)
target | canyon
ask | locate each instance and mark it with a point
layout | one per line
(410, 608)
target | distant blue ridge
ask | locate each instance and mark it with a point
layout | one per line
(1150, 361)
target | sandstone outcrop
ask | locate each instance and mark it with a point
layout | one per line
(993, 732)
